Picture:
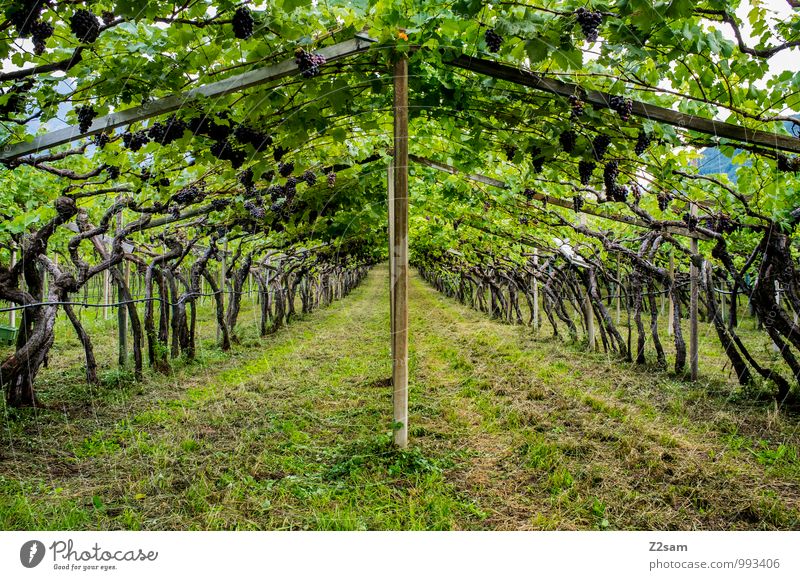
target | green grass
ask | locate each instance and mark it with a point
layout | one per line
(509, 431)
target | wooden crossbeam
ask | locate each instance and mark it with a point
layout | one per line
(587, 208)
(233, 84)
(654, 112)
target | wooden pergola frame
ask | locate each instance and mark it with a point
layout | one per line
(397, 177)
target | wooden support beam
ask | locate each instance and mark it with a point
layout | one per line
(399, 248)
(519, 76)
(694, 277)
(588, 208)
(234, 84)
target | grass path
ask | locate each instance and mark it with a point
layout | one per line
(508, 432)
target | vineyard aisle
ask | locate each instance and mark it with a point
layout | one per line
(506, 432)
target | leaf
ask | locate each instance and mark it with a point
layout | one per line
(537, 50)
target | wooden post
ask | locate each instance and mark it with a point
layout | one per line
(775, 346)
(122, 309)
(122, 318)
(588, 311)
(619, 289)
(694, 279)
(671, 310)
(392, 273)
(535, 292)
(399, 248)
(222, 264)
(106, 293)
(12, 315)
(46, 282)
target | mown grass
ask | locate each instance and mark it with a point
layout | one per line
(509, 431)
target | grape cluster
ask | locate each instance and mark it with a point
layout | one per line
(589, 22)
(493, 40)
(242, 23)
(523, 220)
(101, 140)
(225, 151)
(308, 62)
(25, 15)
(219, 204)
(663, 200)
(279, 152)
(600, 146)
(245, 177)
(285, 169)
(165, 133)
(255, 210)
(643, 141)
(510, 151)
(249, 136)
(585, 170)
(85, 26)
(537, 159)
(614, 191)
(619, 193)
(279, 208)
(568, 139)
(610, 173)
(275, 192)
(40, 32)
(209, 127)
(691, 221)
(136, 140)
(637, 194)
(290, 188)
(113, 171)
(331, 179)
(309, 177)
(187, 195)
(86, 115)
(15, 101)
(107, 16)
(577, 105)
(722, 224)
(528, 193)
(623, 106)
(577, 203)
(788, 164)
